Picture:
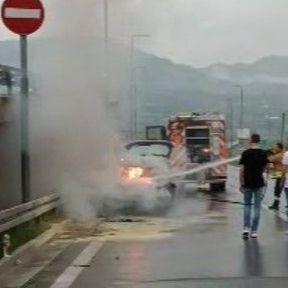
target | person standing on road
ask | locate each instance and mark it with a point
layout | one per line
(278, 174)
(285, 164)
(253, 164)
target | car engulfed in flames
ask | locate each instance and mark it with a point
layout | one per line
(142, 162)
(134, 175)
(138, 187)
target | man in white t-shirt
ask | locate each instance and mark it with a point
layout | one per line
(285, 163)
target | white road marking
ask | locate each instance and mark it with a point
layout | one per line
(67, 278)
(19, 13)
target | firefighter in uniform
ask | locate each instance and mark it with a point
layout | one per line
(278, 174)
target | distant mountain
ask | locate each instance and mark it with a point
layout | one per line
(163, 88)
(272, 69)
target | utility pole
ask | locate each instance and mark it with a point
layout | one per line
(107, 54)
(136, 99)
(283, 128)
(132, 99)
(231, 108)
(241, 118)
(242, 108)
(230, 124)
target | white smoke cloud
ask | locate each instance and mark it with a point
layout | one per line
(73, 140)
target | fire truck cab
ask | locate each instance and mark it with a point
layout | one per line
(197, 139)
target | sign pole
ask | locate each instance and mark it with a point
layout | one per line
(24, 18)
(25, 149)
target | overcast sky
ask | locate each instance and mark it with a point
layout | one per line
(196, 32)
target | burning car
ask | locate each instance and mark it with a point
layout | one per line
(142, 162)
(139, 189)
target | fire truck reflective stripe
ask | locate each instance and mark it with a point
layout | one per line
(22, 13)
(216, 171)
(220, 170)
(179, 157)
(222, 142)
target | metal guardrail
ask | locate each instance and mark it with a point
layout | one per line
(17, 215)
(10, 68)
(10, 78)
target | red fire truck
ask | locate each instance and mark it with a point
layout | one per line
(197, 139)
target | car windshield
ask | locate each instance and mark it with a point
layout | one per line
(160, 150)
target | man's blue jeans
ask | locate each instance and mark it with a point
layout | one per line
(252, 201)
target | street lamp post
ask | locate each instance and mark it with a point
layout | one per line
(133, 39)
(111, 103)
(107, 53)
(136, 99)
(231, 120)
(106, 21)
(241, 118)
(283, 127)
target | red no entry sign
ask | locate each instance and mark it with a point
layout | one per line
(23, 17)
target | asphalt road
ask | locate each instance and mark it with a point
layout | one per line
(197, 244)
